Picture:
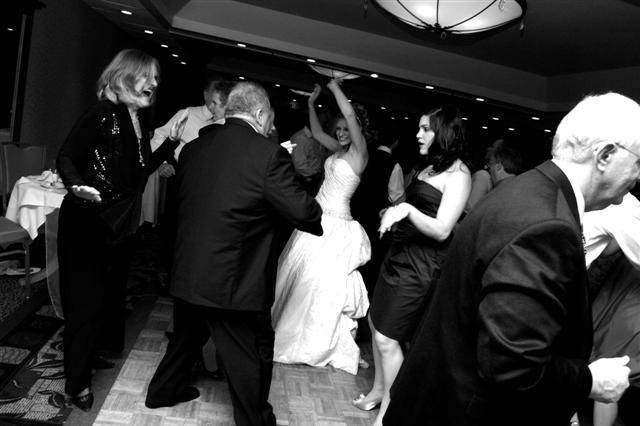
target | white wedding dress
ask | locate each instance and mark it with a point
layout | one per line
(319, 291)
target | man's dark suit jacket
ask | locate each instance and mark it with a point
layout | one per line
(507, 334)
(234, 185)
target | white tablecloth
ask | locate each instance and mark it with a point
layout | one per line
(31, 205)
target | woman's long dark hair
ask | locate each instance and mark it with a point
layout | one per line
(448, 142)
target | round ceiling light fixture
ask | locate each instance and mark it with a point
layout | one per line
(455, 16)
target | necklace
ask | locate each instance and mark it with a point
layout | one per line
(138, 132)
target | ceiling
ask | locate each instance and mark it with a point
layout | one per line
(560, 36)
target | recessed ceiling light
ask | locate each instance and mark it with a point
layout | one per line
(429, 87)
(374, 75)
(165, 46)
(406, 118)
(313, 61)
(148, 32)
(183, 62)
(319, 105)
(175, 55)
(241, 78)
(241, 45)
(126, 12)
(277, 85)
(535, 118)
(9, 29)
(383, 108)
(393, 118)
(547, 131)
(495, 118)
(349, 100)
(511, 129)
(480, 99)
(485, 127)
(465, 118)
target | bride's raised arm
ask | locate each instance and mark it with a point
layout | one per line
(316, 128)
(358, 143)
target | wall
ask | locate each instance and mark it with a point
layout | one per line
(70, 45)
(576, 86)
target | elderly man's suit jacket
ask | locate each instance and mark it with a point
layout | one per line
(234, 187)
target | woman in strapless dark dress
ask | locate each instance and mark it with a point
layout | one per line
(435, 201)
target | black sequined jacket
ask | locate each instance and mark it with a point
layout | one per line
(104, 152)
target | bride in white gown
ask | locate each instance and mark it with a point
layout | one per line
(319, 291)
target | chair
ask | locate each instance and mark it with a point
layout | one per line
(21, 160)
(18, 161)
(12, 233)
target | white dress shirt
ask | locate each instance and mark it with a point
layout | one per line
(199, 117)
(615, 224)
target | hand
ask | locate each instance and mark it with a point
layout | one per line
(314, 95)
(391, 216)
(288, 146)
(175, 133)
(86, 192)
(166, 170)
(334, 84)
(610, 378)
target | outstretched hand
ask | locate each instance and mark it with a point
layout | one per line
(314, 95)
(334, 83)
(391, 216)
(86, 192)
(177, 128)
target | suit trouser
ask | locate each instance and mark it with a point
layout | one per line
(244, 341)
(93, 276)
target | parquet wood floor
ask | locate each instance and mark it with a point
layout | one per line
(301, 395)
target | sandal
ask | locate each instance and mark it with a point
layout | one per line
(359, 403)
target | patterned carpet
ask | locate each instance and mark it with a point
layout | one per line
(300, 395)
(31, 376)
(13, 295)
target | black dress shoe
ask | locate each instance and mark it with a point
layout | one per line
(84, 402)
(188, 394)
(100, 363)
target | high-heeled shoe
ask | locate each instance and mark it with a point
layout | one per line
(365, 406)
(83, 402)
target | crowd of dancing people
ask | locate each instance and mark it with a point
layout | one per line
(473, 285)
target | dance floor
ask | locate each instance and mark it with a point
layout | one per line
(300, 395)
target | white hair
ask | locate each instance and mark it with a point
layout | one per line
(609, 117)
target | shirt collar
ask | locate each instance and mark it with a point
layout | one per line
(206, 113)
(574, 186)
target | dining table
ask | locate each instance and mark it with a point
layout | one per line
(34, 204)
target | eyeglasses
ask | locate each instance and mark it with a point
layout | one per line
(619, 145)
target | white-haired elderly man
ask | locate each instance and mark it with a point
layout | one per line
(507, 335)
(235, 186)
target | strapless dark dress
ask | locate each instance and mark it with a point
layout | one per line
(409, 269)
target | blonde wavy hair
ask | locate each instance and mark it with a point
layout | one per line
(119, 77)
